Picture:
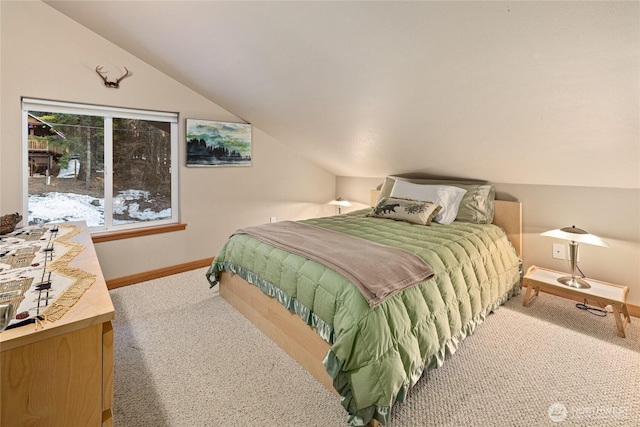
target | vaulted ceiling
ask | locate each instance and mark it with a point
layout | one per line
(520, 92)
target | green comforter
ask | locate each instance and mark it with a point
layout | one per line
(378, 354)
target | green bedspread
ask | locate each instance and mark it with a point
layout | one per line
(378, 354)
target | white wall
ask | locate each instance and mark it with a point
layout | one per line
(46, 55)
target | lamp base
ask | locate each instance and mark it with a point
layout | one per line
(574, 282)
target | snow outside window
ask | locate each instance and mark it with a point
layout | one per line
(111, 167)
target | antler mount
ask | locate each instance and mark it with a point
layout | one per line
(109, 83)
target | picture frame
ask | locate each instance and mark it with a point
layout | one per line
(217, 144)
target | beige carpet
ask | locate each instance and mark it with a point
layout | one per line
(185, 357)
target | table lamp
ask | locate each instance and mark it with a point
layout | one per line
(340, 203)
(575, 236)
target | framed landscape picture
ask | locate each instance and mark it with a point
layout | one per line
(211, 143)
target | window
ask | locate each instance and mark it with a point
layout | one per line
(111, 167)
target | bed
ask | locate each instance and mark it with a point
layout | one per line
(371, 354)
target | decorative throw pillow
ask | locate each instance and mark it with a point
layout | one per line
(476, 206)
(413, 211)
(447, 196)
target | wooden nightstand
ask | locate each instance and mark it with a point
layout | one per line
(601, 292)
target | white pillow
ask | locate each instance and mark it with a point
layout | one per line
(447, 196)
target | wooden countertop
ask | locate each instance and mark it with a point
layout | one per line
(93, 308)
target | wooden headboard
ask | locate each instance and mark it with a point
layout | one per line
(507, 215)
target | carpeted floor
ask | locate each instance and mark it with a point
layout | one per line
(185, 357)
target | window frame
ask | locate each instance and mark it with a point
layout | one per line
(108, 113)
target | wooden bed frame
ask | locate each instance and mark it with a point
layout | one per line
(301, 341)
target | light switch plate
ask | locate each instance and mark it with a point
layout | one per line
(559, 251)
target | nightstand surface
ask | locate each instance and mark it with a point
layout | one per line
(602, 292)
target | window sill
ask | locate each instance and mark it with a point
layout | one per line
(128, 234)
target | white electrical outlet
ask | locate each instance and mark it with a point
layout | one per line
(272, 219)
(559, 251)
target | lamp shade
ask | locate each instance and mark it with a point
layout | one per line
(340, 202)
(577, 235)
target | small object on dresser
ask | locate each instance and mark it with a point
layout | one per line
(8, 222)
(6, 315)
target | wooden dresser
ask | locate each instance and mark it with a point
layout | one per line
(62, 374)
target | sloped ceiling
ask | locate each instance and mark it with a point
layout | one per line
(515, 92)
